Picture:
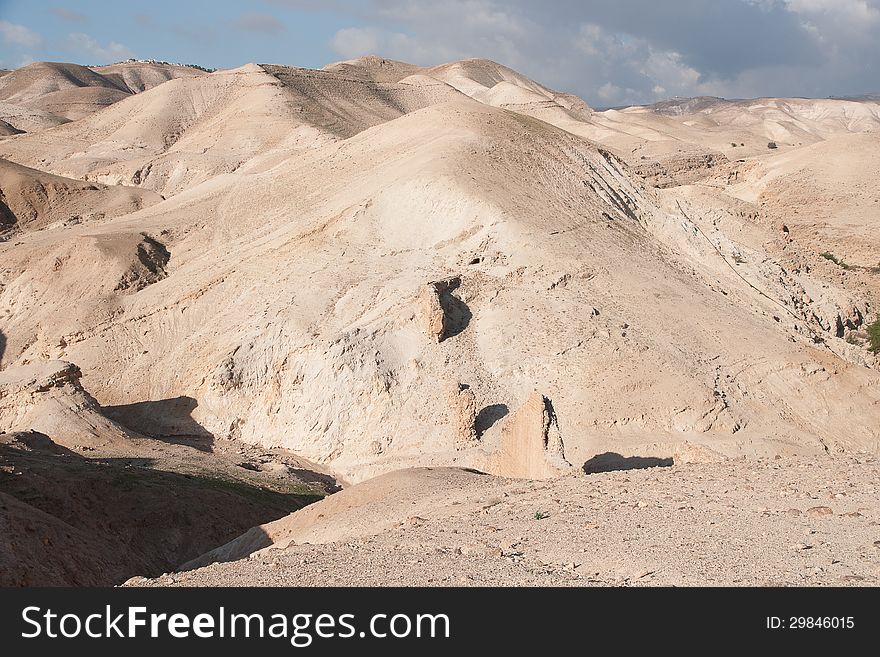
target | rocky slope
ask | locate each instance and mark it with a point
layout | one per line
(767, 522)
(287, 297)
(31, 199)
(89, 500)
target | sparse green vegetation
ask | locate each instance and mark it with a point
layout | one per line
(874, 336)
(285, 496)
(833, 258)
(297, 497)
(540, 515)
(133, 60)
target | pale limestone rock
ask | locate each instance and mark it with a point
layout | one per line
(463, 412)
(433, 315)
(687, 452)
(531, 444)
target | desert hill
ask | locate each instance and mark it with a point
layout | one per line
(65, 91)
(138, 76)
(826, 190)
(73, 519)
(60, 92)
(538, 227)
(377, 267)
(31, 82)
(188, 130)
(374, 69)
(26, 119)
(86, 500)
(33, 199)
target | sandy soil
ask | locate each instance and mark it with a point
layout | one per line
(766, 522)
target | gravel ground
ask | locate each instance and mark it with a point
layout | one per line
(770, 522)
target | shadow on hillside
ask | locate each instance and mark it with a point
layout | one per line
(253, 540)
(611, 461)
(457, 313)
(2, 347)
(488, 416)
(327, 482)
(80, 521)
(168, 420)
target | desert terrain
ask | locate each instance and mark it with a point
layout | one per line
(387, 324)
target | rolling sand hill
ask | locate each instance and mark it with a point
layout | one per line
(26, 119)
(31, 199)
(65, 91)
(138, 76)
(189, 130)
(379, 267)
(58, 92)
(32, 82)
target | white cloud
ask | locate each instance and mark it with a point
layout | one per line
(18, 35)
(636, 51)
(464, 15)
(832, 25)
(851, 10)
(261, 23)
(434, 33)
(351, 42)
(609, 92)
(666, 67)
(646, 71)
(69, 15)
(83, 43)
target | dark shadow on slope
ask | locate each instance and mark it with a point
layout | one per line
(8, 219)
(611, 461)
(34, 441)
(241, 547)
(168, 420)
(71, 521)
(2, 347)
(326, 482)
(488, 416)
(457, 315)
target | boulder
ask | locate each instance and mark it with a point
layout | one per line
(462, 406)
(687, 452)
(531, 443)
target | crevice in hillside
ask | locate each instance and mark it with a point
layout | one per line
(152, 259)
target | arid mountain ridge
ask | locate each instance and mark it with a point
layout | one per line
(378, 266)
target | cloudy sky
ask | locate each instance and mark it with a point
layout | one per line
(609, 52)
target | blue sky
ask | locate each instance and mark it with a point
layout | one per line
(607, 51)
(215, 33)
